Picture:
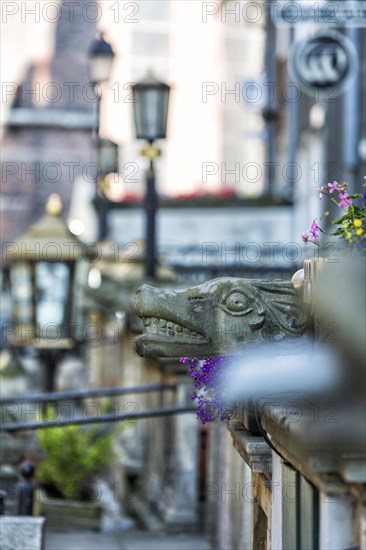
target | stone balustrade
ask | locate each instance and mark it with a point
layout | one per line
(311, 450)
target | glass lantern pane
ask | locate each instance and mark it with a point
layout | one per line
(52, 283)
(151, 109)
(99, 68)
(21, 288)
(108, 156)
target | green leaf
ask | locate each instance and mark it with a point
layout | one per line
(340, 220)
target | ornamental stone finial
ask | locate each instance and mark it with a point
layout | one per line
(54, 205)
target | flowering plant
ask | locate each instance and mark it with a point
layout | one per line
(351, 225)
(208, 376)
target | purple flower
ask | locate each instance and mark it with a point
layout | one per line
(314, 230)
(364, 195)
(207, 376)
(320, 192)
(345, 202)
(312, 234)
(333, 186)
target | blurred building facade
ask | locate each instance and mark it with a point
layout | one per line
(47, 140)
(234, 124)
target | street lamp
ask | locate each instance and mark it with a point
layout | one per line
(150, 105)
(151, 101)
(100, 60)
(107, 156)
(107, 163)
(42, 268)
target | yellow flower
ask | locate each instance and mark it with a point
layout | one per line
(349, 235)
(357, 223)
(359, 231)
(346, 225)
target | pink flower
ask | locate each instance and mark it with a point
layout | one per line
(345, 202)
(314, 230)
(333, 186)
(312, 234)
(320, 191)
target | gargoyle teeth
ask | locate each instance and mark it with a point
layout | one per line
(154, 325)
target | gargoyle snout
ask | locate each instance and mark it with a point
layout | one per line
(142, 298)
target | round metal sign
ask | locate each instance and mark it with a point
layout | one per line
(326, 62)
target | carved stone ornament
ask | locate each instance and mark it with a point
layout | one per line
(215, 317)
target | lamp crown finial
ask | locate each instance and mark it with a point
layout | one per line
(54, 205)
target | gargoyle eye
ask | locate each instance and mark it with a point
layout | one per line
(237, 303)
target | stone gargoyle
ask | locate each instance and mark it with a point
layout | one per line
(217, 316)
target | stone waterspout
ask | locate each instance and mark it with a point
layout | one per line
(217, 316)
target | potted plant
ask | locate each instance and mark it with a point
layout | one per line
(72, 458)
(351, 225)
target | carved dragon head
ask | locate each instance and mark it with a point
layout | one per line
(214, 317)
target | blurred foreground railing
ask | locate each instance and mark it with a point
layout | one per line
(54, 397)
(22, 426)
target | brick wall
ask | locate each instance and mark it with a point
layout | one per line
(47, 159)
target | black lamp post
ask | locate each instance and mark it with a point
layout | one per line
(42, 267)
(150, 104)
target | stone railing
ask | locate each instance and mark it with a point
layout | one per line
(315, 440)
